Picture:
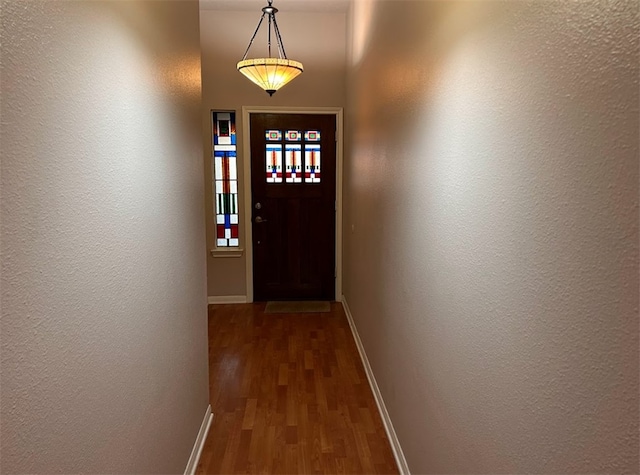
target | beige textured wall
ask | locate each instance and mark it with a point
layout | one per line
(317, 39)
(103, 331)
(491, 248)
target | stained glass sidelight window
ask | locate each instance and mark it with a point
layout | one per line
(293, 157)
(312, 163)
(273, 160)
(225, 177)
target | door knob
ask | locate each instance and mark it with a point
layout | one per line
(260, 220)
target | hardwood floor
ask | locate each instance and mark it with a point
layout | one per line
(289, 395)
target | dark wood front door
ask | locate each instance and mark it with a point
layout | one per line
(293, 186)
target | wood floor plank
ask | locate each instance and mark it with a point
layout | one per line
(289, 396)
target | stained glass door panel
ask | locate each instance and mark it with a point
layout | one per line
(293, 154)
(274, 162)
(312, 163)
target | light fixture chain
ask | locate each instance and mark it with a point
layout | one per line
(253, 37)
(271, 18)
(279, 38)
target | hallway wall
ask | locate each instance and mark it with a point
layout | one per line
(317, 39)
(104, 326)
(491, 230)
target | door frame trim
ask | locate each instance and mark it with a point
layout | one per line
(338, 112)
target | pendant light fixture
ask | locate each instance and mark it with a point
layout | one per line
(270, 73)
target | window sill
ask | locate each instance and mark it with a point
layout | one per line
(216, 253)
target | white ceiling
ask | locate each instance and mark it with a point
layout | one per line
(282, 5)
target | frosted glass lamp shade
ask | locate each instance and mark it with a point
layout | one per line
(270, 73)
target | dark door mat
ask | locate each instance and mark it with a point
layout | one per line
(298, 307)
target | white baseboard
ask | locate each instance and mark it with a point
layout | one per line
(220, 299)
(199, 444)
(386, 420)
